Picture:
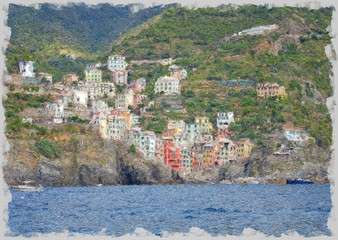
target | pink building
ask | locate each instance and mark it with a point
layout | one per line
(138, 85)
(139, 99)
(223, 132)
(120, 76)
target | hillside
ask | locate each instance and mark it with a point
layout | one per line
(49, 33)
(292, 56)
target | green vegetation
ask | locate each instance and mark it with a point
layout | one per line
(17, 102)
(76, 119)
(48, 149)
(132, 149)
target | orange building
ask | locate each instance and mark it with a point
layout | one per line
(169, 133)
(125, 115)
(266, 90)
(209, 155)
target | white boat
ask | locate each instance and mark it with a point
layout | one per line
(27, 188)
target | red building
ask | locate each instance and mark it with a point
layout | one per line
(172, 156)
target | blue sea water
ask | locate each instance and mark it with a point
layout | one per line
(216, 208)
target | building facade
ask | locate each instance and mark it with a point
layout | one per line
(69, 79)
(46, 78)
(294, 134)
(113, 127)
(120, 76)
(224, 119)
(116, 62)
(167, 85)
(266, 90)
(125, 99)
(206, 126)
(178, 72)
(93, 76)
(243, 149)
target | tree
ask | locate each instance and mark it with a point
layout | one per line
(132, 149)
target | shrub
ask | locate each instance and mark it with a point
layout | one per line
(132, 149)
(48, 149)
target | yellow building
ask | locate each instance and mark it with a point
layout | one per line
(205, 125)
(93, 76)
(266, 90)
(209, 155)
(125, 116)
(243, 149)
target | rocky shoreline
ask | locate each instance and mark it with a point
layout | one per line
(99, 162)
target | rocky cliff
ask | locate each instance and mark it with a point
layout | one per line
(91, 161)
(109, 163)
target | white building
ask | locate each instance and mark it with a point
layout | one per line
(134, 120)
(224, 119)
(167, 85)
(294, 134)
(177, 124)
(59, 114)
(258, 30)
(116, 62)
(148, 143)
(59, 111)
(99, 106)
(192, 132)
(125, 99)
(80, 97)
(113, 127)
(27, 68)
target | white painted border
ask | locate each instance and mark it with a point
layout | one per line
(195, 233)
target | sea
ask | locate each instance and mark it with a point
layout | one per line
(218, 209)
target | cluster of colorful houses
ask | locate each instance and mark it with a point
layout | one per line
(181, 146)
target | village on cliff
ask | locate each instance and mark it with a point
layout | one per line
(181, 146)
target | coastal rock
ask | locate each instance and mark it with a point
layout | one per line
(19, 173)
(49, 174)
